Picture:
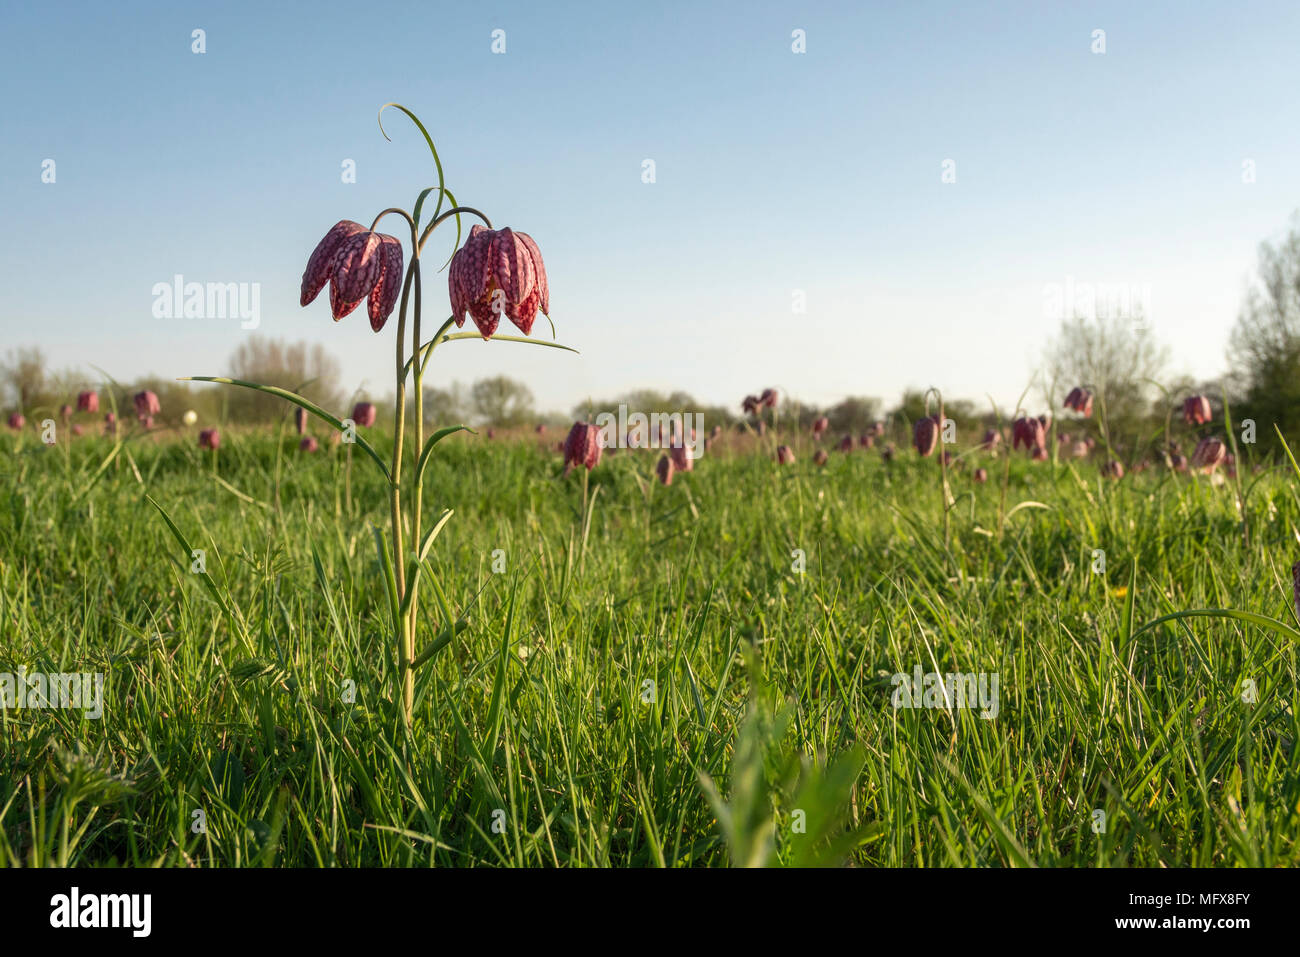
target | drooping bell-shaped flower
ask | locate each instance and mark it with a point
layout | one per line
(992, 439)
(784, 455)
(867, 439)
(1039, 454)
(498, 271)
(1030, 433)
(16, 421)
(1209, 454)
(1080, 400)
(846, 444)
(665, 469)
(980, 475)
(1196, 410)
(65, 411)
(820, 425)
(751, 404)
(308, 444)
(925, 435)
(299, 419)
(363, 414)
(582, 447)
(820, 457)
(146, 404)
(1114, 469)
(209, 439)
(357, 263)
(88, 401)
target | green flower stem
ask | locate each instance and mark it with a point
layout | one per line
(418, 504)
(435, 223)
(405, 674)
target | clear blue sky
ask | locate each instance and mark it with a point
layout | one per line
(776, 172)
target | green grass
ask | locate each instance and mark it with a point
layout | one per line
(768, 733)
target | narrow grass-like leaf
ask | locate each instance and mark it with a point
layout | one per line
(297, 400)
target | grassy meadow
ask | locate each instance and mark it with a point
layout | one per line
(690, 675)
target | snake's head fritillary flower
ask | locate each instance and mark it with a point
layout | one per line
(146, 404)
(1209, 454)
(541, 428)
(321, 263)
(820, 457)
(87, 401)
(1079, 400)
(1063, 438)
(980, 475)
(992, 439)
(77, 429)
(784, 455)
(887, 453)
(750, 405)
(110, 423)
(16, 421)
(769, 398)
(65, 411)
(491, 433)
(664, 469)
(1080, 450)
(683, 461)
(1039, 454)
(1113, 469)
(1030, 433)
(1178, 462)
(299, 419)
(308, 444)
(867, 439)
(357, 263)
(582, 447)
(846, 444)
(498, 271)
(209, 439)
(925, 435)
(820, 426)
(1196, 410)
(363, 414)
